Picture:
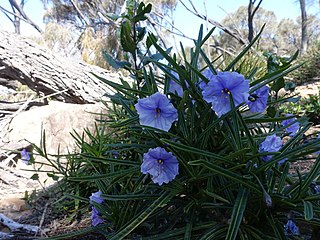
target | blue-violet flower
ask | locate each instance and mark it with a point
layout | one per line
(292, 129)
(96, 197)
(209, 75)
(25, 157)
(291, 228)
(95, 218)
(272, 143)
(175, 87)
(258, 99)
(156, 111)
(221, 86)
(160, 164)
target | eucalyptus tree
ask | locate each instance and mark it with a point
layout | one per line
(96, 24)
(238, 22)
(304, 27)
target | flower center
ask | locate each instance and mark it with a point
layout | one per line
(253, 97)
(160, 161)
(158, 112)
(226, 90)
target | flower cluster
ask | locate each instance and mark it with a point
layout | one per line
(157, 111)
(222, 87)
(226, 85)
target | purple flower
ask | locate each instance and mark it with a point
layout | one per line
(292, 129)
(291, 228)
(209, 75)
(258, 99)
(25, 157)
(160, 164)
(174, 87)
(96, 197)
(221, 86)
(95, 218)
(156, 111)
(272, 143)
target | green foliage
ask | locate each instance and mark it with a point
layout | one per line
(224, 188)
(309, 71)
(308, 106)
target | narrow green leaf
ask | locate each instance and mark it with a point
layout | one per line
(128, 228)
(216, 196)
(112, 160)
(115, 63)
(244, 51)
(283, 178)
(129, 197)
(105, 176)
(237, 214)
(225, 172)
(197, 151)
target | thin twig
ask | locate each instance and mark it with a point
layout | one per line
(227, 30)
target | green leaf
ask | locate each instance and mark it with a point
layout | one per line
(53, 176)
(237, 214)
(155, 57)
(114, 63)
(141, 32)
(129, 197)
(105, 176)
(150, 40)
(244, 51)
(35, 176)
(308, 210)
(127, 42)
(289, 86)
(197, 151)
(141, 217)
(227, 173)
(278, 84)
(141, 11)
(113, 16)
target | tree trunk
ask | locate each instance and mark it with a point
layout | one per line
(47, 73)
(250, 22)
(304, 27)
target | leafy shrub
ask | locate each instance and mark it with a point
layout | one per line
(309, 71)
(308, 106)
(187, 158)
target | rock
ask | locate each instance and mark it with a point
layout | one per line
(58, 119)
(308, 89)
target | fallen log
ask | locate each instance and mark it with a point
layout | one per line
(47, 73)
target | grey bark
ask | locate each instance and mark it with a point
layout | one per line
(47, 73)
(304, 27)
